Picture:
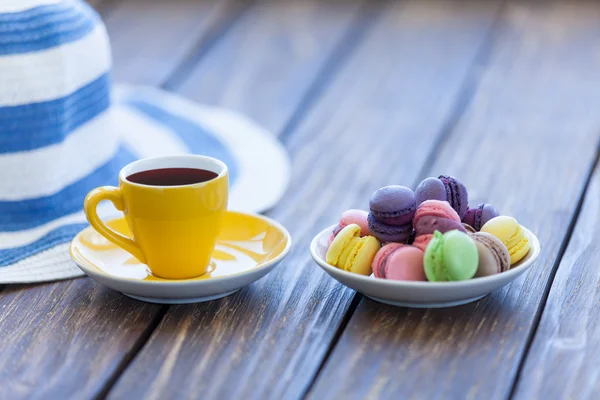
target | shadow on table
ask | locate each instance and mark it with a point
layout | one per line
(425, 327)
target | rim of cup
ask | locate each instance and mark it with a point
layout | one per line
(177, 161)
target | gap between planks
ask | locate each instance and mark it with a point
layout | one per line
(463, 99)
(139, 343)
(366, 17)
(203, 46)
(466, 94)
(561, 252)
(460, 80)
(364, 20)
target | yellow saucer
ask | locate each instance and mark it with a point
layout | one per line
(249, 247)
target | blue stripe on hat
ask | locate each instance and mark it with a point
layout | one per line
(31, 126)
(44, 27)
(198, 139)
(58, 236)
(27, 214)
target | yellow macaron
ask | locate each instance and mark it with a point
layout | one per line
(508, 230)
(352, 253)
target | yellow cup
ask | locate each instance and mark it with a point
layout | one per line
(174, 227)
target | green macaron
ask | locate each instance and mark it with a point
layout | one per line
(451, 256)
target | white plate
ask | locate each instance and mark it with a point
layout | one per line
(248, 248)
(422, 294)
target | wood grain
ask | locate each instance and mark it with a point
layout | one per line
(563, 359)
(95, 3)
(266, 65)
(66, 339)
(525, 142)
(102, 7)
(268, 340)
(151, 38)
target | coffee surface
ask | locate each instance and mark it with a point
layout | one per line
(172, 176)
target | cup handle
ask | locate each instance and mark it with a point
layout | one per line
(113, 195)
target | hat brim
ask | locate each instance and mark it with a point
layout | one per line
(152, 122)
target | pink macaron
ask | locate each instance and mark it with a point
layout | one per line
(399, 262)
(422, 241)
(358, 217)
(431, 216)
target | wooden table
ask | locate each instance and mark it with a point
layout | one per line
(503, 94)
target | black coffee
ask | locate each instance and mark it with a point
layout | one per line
(172, 176)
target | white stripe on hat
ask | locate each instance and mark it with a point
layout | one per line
(22, 5)
(49, 169)
(42, 76)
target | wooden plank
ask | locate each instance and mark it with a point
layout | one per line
(58, 340)
(268, 340)
(102, 7)
(265, 66)
(95, 3)
(563, 359)
(525, 142)
(150, 38)
(72, 338)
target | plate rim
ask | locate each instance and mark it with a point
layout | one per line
(511, 274)
(93, 270)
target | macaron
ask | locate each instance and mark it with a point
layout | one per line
(493, 255)
(352, 253)
(511, 234)
(430, 189)
(431, 216)
(422, 241)
(389, 233)
(478, 216)
(456, 194)
(393, 205)
(444, 188)
(450, 256)
(399, 262)
(358, 217)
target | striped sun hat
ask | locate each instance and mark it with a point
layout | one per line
(65, 130)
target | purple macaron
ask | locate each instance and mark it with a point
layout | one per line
(428, 224)
(389, 233)
(430, 189)
(446, 188)
(478, 216)
(456, 194)
(393, 205)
